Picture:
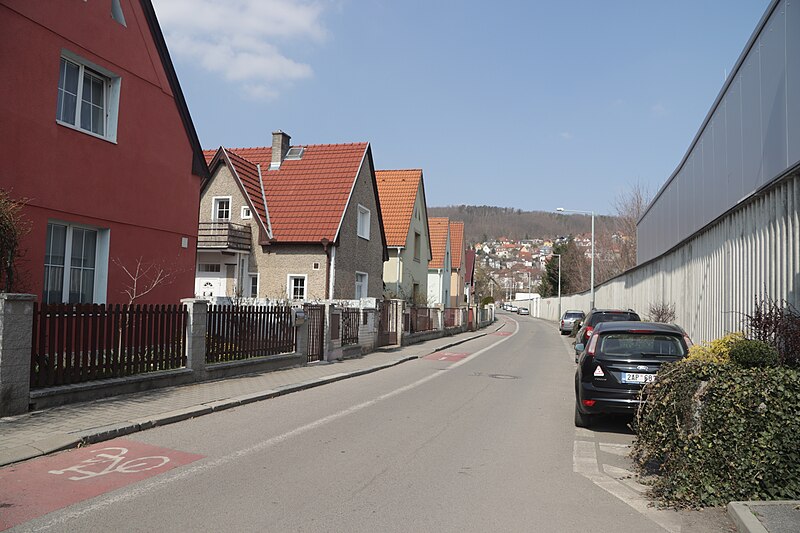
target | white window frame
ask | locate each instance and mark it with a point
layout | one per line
(101, 261)
(290, 287)
(250, 286)
(214, 208)
(112, 84)
(363, 222)
(364, 285)
(209, 268)
(246, 213)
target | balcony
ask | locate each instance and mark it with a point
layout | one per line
(223, 236)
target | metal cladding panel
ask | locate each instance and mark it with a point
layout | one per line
(750, 138)
(773, 96)
(793, 80)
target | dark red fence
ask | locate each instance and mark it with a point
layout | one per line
(77, 343)
(243, 332)
(350, 320)
(421, 319)
(315, 320)
(454, 317)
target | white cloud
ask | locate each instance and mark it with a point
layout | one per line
(659, 110)
(565, 135)
(240, 39)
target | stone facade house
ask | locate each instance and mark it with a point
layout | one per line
(458, 266)
(296, 223)
(439, 267)
(405, 219)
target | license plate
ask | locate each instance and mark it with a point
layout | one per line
(637, 378)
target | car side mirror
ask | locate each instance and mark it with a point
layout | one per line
(579, 347)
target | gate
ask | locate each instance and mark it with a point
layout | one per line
(315, 320)
(387, 323)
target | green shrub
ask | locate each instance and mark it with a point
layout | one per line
(751, 353)
(716, 433)
(716, 351)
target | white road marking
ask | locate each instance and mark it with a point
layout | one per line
(616, 449)
(584, 462)
(170, 477)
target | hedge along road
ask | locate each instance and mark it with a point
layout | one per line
(481, 440)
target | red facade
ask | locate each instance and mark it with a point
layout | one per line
(136, 188)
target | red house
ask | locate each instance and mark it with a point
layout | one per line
(99, 143)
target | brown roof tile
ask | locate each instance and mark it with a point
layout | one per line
(438, 227)
(456, 243)
(397, 190)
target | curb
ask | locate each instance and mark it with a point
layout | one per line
(745, 520)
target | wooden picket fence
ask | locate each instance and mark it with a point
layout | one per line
(75, 343)
(237, 332)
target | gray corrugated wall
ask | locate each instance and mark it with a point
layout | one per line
(714, 278)
(750, 138)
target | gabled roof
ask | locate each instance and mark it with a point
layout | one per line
(304, 201)
(438, 227)
(398, 193)
(469, 274)
(456, 243)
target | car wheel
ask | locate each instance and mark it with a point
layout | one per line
(582, 420)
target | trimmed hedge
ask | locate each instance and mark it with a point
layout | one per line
(720, 432)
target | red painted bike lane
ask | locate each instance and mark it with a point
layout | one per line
(40, 486)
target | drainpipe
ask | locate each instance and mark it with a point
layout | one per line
(325, 243)
(399, 270)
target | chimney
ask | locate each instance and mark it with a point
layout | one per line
(280, 145)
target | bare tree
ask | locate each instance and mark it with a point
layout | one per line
(629, 206)
(13, 227)
(144, 278)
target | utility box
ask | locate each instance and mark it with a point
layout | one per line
(299, 317)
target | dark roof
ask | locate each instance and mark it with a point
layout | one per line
(470, 272)
(199, 166)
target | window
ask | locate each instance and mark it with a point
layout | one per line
(209, 267)
(73, 264)
(253, 285)
(222, 208)
(417, 245)
(315, 265)
(246, 213)
(297, 287)
(361, 285)
(88, 97)
(363, 222)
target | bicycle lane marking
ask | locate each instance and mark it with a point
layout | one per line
(34, 488)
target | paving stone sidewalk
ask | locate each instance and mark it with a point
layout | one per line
(41, 432)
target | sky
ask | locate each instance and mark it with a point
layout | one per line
(526, 104)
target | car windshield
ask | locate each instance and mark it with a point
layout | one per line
(641, 344)
(613, 317)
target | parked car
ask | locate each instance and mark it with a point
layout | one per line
(568, 320)
(595, 317)
(621, 357)
(524, 311)
(513, 308)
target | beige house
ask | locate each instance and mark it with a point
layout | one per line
(457, 264)
(293, 223)
(405, 221)
(439, 266)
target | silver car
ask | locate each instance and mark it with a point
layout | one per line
(568, 320)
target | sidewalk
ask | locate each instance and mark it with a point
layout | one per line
(42, 432)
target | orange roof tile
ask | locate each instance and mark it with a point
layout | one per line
(397, 190)
(306, 197)
(438, 227)
(456, 243)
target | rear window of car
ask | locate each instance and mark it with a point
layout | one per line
(641, 344)
(573, 315)
(613, 317)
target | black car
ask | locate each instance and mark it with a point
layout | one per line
(620, 358)
(595, 317)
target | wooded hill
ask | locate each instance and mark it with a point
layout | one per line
(482, 223)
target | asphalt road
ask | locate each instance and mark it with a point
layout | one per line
(479, 438)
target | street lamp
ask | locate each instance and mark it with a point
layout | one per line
(559, 284)
(562, 210)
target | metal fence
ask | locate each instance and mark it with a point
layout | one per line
(419, 319)
(454, 317)
(235, 333)
(350, 323)
(77, 343)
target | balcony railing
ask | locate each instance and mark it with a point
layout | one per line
(223, 236)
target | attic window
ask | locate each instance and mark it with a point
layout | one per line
(294, 153)
(116, 12)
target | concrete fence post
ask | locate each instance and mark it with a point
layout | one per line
(301, 338)
(196, 327)
(16, 324)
